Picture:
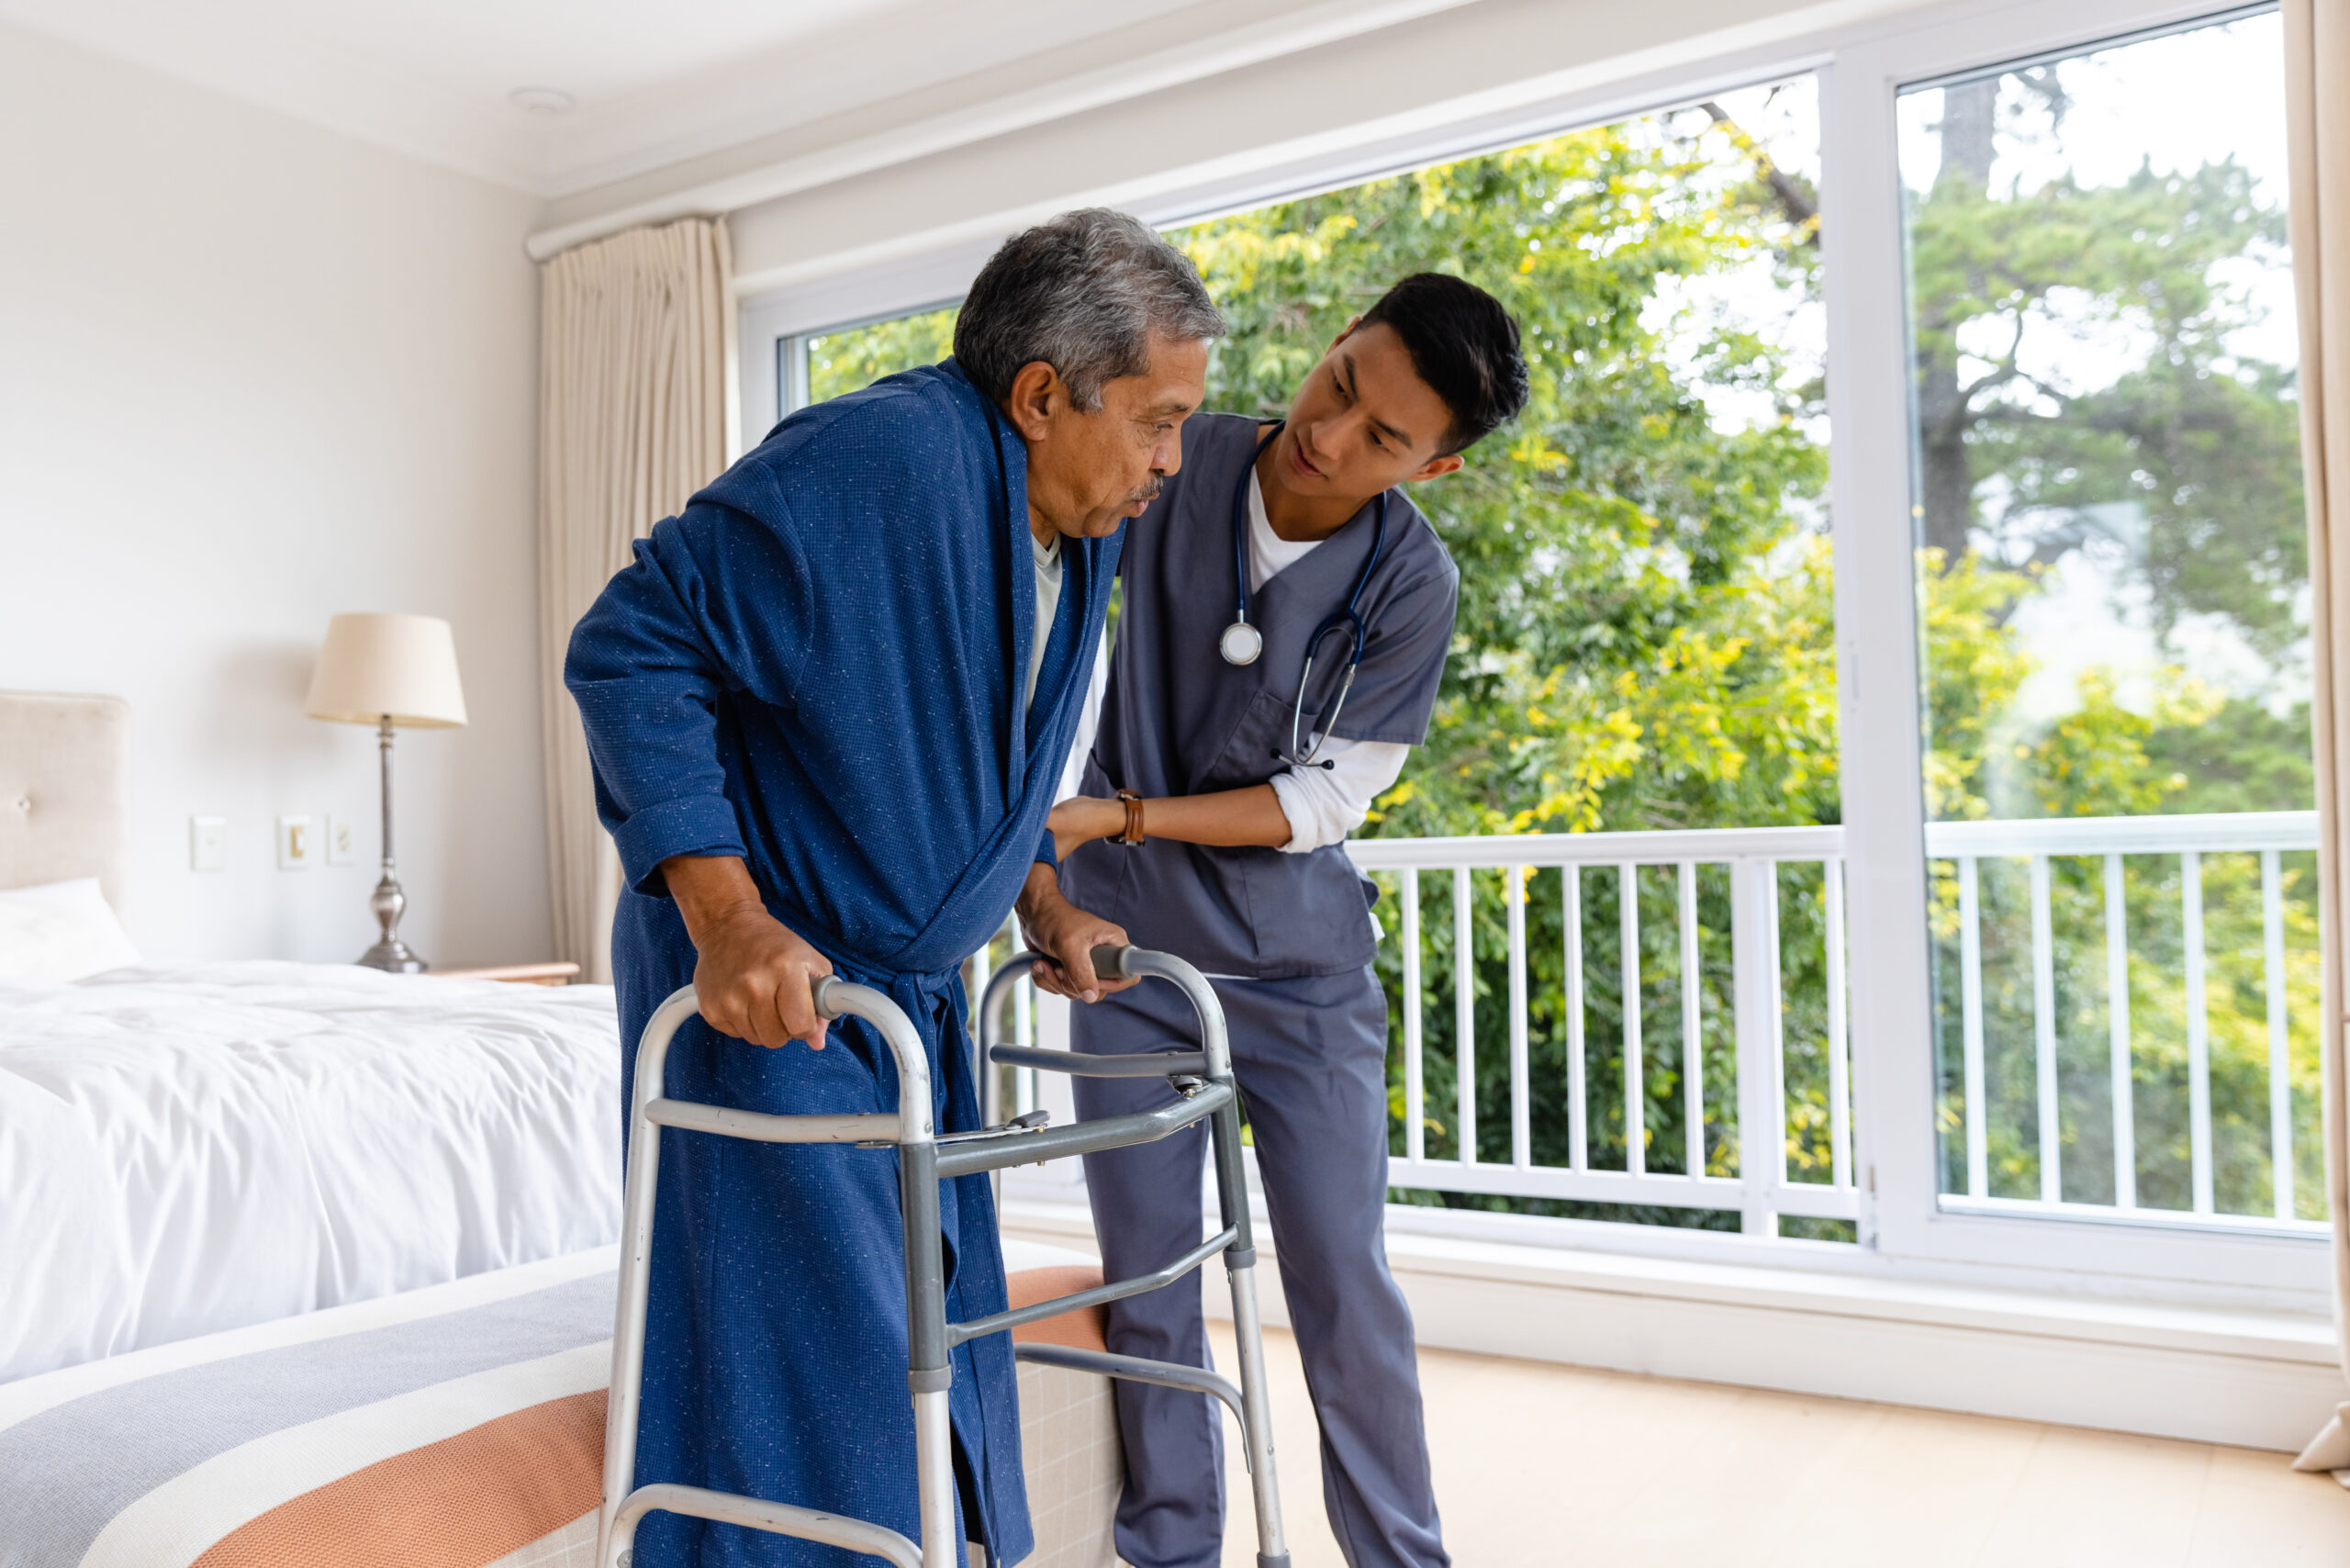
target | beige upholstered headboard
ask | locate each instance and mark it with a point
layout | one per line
(64, 787)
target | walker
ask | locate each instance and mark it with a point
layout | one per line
(1202, 1080)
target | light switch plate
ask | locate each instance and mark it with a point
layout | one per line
(207, 844)
(339, 849)
(297, 846)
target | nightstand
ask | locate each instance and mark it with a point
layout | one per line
(519, 974)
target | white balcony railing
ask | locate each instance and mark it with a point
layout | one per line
(1760, 1191)
(2184, 845)
(1760, 863)
(1743, 1007)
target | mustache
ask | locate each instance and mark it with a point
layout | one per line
(1150, 492)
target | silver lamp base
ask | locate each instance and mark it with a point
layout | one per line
(395, 956)
(387, 902)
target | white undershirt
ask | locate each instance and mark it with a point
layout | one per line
(1323, 804)
(1048, 605)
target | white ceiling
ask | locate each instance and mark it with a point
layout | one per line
(653, 83)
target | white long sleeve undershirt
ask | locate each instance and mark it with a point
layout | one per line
(1323, 804)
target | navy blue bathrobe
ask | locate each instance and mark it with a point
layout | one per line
(818, 667)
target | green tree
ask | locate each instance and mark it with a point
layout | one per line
(858, 356)
(2081, 399)
(1644, 612)
(1646, 634)
(1645, 637)
(2012, 458)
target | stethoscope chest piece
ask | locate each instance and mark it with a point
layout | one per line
(1241, 643)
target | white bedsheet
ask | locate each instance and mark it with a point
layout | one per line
(190, 1149)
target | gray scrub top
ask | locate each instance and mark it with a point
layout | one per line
(1178, 721)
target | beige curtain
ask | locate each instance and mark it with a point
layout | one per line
(2317, 108)
(635, 389)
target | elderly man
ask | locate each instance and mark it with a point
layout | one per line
(827, 706)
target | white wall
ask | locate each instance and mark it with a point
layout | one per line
(1499, 72)
(251, 374)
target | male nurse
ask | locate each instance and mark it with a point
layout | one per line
(1222, 785)
(827, 706)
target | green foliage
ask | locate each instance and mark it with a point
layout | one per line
(1645, 637)
(2211, 455)
(2200, 441)
(2235, 998)
(2092, 761)
(1646, 630)
(2242, 758)
(1972, 670)
(2178, 478)
(845, 361)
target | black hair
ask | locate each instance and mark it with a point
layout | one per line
(1465, 347)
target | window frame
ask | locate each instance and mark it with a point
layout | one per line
(768, 322)
(1861, 69)
(790, 352)
(1870, 414)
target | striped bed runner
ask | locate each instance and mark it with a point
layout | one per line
(458, 1427)
(325, 1440)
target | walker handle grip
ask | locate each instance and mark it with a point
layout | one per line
(820, 993)
(1110, 963)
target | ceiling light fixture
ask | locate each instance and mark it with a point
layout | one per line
(540, 100)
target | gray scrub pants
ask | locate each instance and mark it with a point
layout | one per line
(1310, 1057)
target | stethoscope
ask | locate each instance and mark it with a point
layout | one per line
(1242, 642)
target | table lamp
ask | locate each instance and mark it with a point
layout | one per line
(389, 671)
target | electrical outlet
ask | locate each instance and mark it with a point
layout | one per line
(207, 844)
(298, 848)
(339, 849)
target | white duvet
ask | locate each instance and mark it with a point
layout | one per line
(191, 1149)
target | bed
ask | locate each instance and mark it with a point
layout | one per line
(194, 1148)
(456, 1427)
(311, 1264)
(188, 1148)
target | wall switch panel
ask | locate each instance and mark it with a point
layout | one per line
(297, 844)
(207, 844)
(339, 842)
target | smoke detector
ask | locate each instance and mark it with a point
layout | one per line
(540, 100)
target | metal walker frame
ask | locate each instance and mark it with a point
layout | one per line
(1202, 1081)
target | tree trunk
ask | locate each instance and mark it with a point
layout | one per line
(1946, 468)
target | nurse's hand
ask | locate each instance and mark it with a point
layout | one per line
(753, 976)
(1081, 818)
(1067, 936)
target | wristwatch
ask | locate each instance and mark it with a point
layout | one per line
(1133, 835)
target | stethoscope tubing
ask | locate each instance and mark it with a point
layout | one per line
(1242, 642)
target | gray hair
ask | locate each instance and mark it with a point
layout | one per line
(1084, 293)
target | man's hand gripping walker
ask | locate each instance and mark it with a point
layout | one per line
(1203, 1084)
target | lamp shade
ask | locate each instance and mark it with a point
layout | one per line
(403, 667)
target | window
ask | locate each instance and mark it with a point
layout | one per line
(816, 366)
(2113, 596)
(2045, 617)
(1646, 636)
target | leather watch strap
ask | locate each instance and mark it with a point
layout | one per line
(1132, 834)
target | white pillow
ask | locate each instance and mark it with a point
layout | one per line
(61, 931)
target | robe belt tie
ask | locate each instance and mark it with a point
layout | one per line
(931, 999)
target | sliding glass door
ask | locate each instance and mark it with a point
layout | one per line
(1913, 852)
(2113, 610)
